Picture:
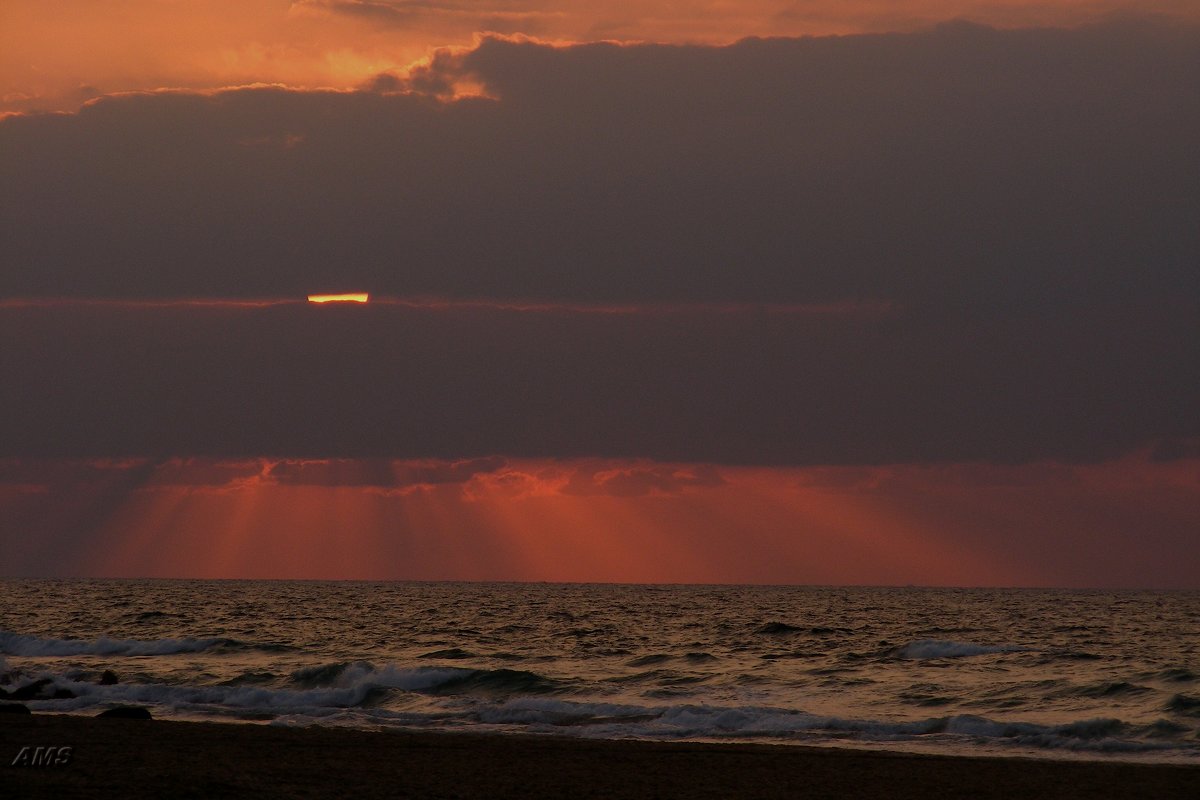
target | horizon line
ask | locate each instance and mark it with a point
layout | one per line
(523, 582)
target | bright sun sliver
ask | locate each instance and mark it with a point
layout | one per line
(353, 297)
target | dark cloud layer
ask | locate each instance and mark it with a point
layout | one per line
(960, 166)
(379, 473)
(1026, 202)
(1074, 383)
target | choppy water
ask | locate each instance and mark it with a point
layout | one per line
(1097, 674)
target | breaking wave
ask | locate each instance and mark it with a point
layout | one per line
(358, 693)
(315, 691)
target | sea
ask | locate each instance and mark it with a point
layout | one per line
(1048, 673)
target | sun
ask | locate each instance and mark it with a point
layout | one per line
(352, 297)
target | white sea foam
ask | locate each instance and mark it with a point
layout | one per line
(938, 648)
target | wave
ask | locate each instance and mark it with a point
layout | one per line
(1102, 690)
(650, 660)
(325, 674)
(15, 644)
(168, 699)
(252, 678)
(703, 721)
(452, 653)
(939, 648)
(717, 722)
(426, 680)
(786, 629)
(497, 682)
(358, 693)
(1183, 704)
(316, 691)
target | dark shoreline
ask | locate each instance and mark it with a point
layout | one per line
(162, 758)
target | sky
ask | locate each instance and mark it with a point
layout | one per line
(764, 292)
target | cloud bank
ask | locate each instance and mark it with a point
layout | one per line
(1075, 383)
(962, 165)
(56, 54)
(1000, 224)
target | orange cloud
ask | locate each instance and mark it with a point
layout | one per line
(56, 54)
(640, 479)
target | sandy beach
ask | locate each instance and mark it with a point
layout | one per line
(133, 758)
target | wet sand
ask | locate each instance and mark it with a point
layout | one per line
(156, 758)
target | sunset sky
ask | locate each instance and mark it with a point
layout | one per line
(855, 292)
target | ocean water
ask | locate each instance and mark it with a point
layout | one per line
(1052, 673)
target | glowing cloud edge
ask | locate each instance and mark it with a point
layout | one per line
(349, 297)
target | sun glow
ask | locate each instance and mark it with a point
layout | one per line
(352, 297)
(599, 520)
